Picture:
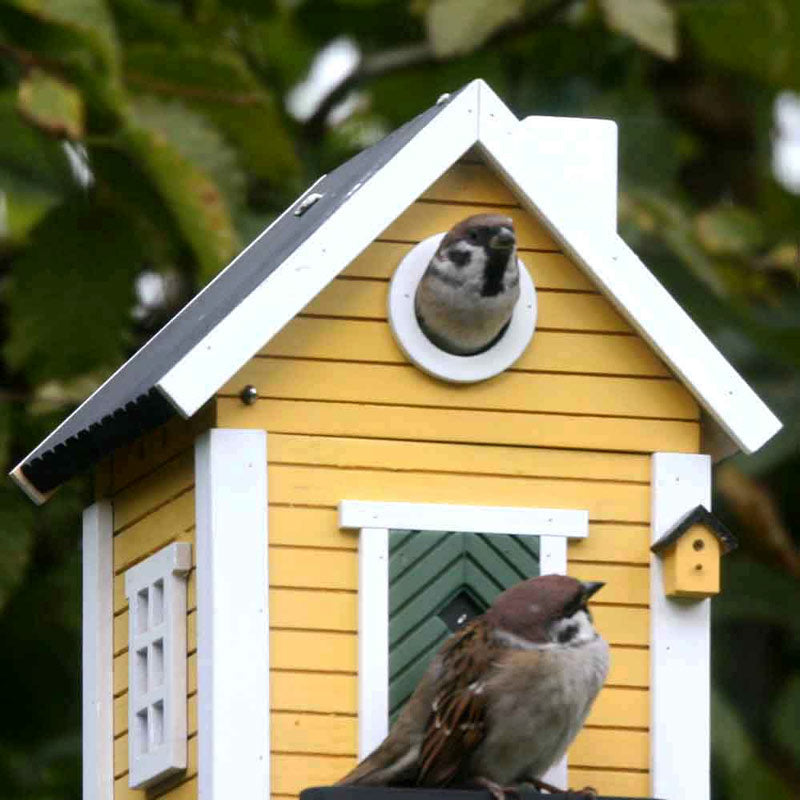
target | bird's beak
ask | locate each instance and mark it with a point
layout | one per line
(504, 239)
(590, 587)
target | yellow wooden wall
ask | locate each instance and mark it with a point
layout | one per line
(151, 488)
(571, 425)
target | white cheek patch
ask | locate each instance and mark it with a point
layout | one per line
(573, 630)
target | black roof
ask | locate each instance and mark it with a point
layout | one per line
(129, 403)
(699, 514)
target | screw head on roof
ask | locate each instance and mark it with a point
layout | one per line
(249, 394)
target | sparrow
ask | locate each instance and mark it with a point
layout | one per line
(467, 293)
(504, 696)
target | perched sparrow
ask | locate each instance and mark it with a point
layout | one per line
(504, 696)
(466, 295)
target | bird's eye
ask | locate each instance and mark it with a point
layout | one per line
(473, 236)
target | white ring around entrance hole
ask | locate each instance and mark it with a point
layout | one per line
(425, 354)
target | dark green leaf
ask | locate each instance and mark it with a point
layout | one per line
(196, 202)
(70, 293)
(52, 105)
(220, 85)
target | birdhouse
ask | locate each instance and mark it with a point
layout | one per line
(347, 491)
(690, 552)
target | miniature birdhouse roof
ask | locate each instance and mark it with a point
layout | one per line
(697, 516)
(562, 170)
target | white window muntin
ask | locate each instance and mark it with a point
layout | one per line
(156, 592)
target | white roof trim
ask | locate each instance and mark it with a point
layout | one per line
(629, 285)
(317, 261)
(478, 116)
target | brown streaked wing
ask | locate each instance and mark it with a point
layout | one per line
(458, 714)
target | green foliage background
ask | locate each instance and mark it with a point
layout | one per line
(152, 136)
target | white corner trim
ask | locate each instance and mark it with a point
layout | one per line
(375, 520)
(680, 650)
(232, 614)
(558, 522)
(98, 636)
(439, 363)
(382, 198)
(373, 639)
(626, 282)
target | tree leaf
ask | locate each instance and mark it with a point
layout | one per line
(757, 37)
(28, 156)
(650, 23)
(220, 85)
(747, 776)
(76, 40)
(70, 293)
(459, 26)
(51, 104)
(729, 230)
(16, 540)
(197, 203)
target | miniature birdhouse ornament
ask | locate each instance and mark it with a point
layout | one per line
(691, 553)
(440, 375)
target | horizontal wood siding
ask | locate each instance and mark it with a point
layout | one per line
(151, 486)
(572, 424)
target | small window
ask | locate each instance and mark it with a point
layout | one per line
(156, 592)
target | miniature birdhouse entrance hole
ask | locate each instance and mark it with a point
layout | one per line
(438, 581)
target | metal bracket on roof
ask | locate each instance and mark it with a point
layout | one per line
(307, 202)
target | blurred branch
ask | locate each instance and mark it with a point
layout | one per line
(765, 529)
(409, 56)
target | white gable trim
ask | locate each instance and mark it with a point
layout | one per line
(680, 644)
(626, 281)
(478, 116)
(375, 519)
(317, 261)
(232, 614)
(98, 639)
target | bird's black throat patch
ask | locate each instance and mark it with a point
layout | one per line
(496, 263)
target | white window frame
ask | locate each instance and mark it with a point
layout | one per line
(156, 591)
(553, 526)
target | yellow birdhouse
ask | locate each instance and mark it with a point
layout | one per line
(691, 551)
(301, 490)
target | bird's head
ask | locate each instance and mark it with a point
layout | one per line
(549, 609)
(479, 248)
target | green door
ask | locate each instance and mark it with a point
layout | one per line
(439, 581)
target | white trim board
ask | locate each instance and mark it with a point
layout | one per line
(680, 646)
(478, 117)
(623, 278)
(98, 656)
(232, 614)
(465, 519)
(375, 519)
(353, 226)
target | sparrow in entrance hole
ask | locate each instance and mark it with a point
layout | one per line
(466, 295)
(503, 697)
